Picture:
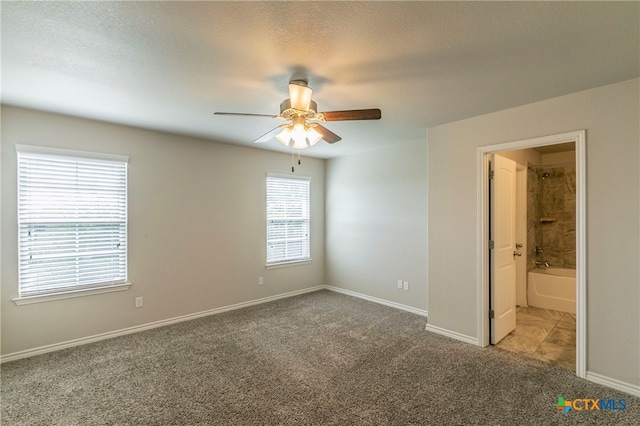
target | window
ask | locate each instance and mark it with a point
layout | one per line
(287, 220)
(72, 220)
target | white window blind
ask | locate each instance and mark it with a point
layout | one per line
(72, 219)
(287, 220)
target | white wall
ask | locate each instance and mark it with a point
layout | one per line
(196, 229)
(611, 117)
(376, 221)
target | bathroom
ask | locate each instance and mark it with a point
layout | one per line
(546, 228)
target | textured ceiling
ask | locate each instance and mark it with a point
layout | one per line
(170, 65)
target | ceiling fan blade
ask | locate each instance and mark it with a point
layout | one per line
(327, 134)
(245, 114)
(269, 135)
(353, 114)
(300, 96)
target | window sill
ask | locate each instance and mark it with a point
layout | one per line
(39, 298)
(285, 264)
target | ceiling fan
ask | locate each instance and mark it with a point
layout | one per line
(303, 129)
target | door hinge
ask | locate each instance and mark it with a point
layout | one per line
(491, 314)
(492, 245)
(490, 174)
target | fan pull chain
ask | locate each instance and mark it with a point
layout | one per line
(293, 159)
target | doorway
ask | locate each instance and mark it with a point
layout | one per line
(542, 286)
(485, 298)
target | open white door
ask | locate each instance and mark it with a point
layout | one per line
(503, 235)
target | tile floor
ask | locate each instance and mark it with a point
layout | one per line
(543, 334)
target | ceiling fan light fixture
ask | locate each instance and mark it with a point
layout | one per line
(284, 137)
(299, 135)
(300, 96)
(313, 136)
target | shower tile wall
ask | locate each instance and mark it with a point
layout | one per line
(551, 216)
(534, 231)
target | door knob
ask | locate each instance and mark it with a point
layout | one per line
(518, 245)
(517, 253)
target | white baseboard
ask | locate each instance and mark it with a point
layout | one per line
(130, 330)
(452, 334)
(592, 377)
(613, 383)
(411, 309)
(135, 329)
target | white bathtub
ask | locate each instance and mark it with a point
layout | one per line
(552, 288)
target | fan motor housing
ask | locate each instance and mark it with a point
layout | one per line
(287, 112)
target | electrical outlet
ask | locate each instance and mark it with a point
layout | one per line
(139, 302)
(400, 284)
(406, 285)
(260, 280)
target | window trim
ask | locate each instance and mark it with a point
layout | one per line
(68, 294)
(71, 292)
(34, 149)
(293, 262)
(288, 263)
